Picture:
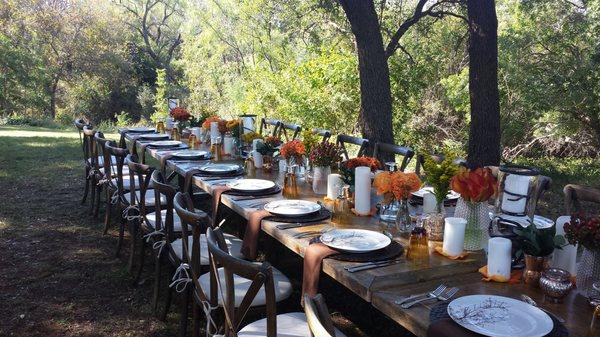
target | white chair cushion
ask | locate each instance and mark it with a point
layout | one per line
(127, 182)
(150, 199)
(292, 324)
(163, 215)
(113, 160)
(113, 171)
(234, 245)
(283, 287)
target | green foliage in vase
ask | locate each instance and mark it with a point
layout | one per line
(438, 176)
(538, 242)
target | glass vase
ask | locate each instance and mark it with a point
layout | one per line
(478, 220)
(403, 220)
(319, 180)
(588, 272)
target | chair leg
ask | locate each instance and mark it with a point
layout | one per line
(107, 212)
(196, 319)
(133, 232)
(92, 194)
(163, 316)
(121, 235)
(183, 319)
(97, 203)
(87, 185)
(157, 280)
(142, 259)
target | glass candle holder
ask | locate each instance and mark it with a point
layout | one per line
(160, 127)
(192, 141)
(418, 245)
(290, 186)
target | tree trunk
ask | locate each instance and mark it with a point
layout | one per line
(375, 94)
(53, 90)
(484, 133)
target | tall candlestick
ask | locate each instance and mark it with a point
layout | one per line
(429, 203)
(565, 258)
(499, 257)
(362, 190)
(454, 236)
(334, 186)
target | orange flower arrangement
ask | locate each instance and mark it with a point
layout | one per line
(476, 185)
(223, 126)
(273, 141)
(371, 162)
(209, 120)
(293, 149)
(396, 185)
(180, 114)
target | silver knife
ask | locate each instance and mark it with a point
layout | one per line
(372, 266)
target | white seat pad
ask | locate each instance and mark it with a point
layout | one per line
(234, 244)
(292, 324)
(113, 171)
(163, 215)
(127, 182)
(113, 160)
(283, 287)
(149, 198)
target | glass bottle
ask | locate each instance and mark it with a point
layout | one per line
(160, 127)
(418, 245)
(175, 134)
(249, 167)
(341, 206)
(216, 149)
(192, 141)
(290, 187)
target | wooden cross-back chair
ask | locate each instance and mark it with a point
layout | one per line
(227, 270)
(406, 152)
(325, 134)
(103, 169)
(318, 318)
(79, 124)
(88, 145)
(269, 125)
(362, 143)
(575, 194)
(285, 127)
(114, 193)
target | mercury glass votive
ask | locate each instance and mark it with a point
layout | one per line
(555, 284)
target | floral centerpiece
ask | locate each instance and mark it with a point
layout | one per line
(322, 157)
(310, 140)
(269, 149)
(438, 176)
(233, 126)
(181, 116)
(293, 151)
(475, 187)
(250, 136)
(585, 231)
(347, 168)
(209, 120)
(397, 187)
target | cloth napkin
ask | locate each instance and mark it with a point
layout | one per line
(313, 258)
(515, 276)
(446, 327)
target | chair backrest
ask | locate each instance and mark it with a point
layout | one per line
(163, 188)
(343, 140)
(143, 174)
(326, 134)
(269, 124)
(574, 194)
(406, 152)
(101, 152)
(317, 316)
(283, 130)
(112, 149)
(260, 275)
(198, 221)
(79, 124)
(89, 145)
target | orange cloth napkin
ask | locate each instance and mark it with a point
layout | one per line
(371, 213)
(313, 257)
(440, 250)
(217, 191)
(250, 240)
(515, 276)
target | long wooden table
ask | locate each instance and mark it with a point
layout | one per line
(382, 286)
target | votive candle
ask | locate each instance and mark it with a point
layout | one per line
(499, 257)
(454, 236)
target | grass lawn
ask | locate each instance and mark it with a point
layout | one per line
(59, 274)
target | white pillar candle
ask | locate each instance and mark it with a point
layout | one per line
(196, 131)
(228, 145)
(362, 190)
(255, 143)
(258, 159)
(499, 257)
(429, 203)
(518, 185)
(454, 236)
(283, 166)
(334, 185)
(565, 258)
(214, 130)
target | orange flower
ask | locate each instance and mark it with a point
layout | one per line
(293, 149)
(209, 120)
(223, 126)
(403, 184)
(476, 185)
(383, 182)
(363, 161)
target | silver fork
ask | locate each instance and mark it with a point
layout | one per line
(440, 288)
(434, 294)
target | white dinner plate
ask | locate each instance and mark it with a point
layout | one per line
(355, 240)
(420, 193)
(165, 143)
(292, 208)
(219, 168)
(539, 221)
(191, 154)
(140, 129)
(498, 316)
(153, 136)
(251, 185)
